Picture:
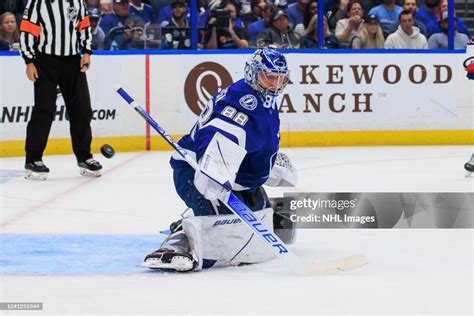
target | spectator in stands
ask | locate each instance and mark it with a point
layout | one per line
(435, 25)
(337, 13)
(310, 11)
(166, 12)
(13, 6)
(256, 12)
(407, 35)
(347, 28)
(387, 13)
(173, 38)
(411, 5)
(178, 15)
(427, 13)
(105, 7)
(98, 35)
(92, 3)
(440, 40)
(142, 10)
(369, 4)
(279, 32)
(227, 36)
(158, 5)
(129, 36)
(282, 4)
(117, 18)
(310, 39)
(9, 34)
(371, 36)
(296, 12)
(203, 11)
(256, 27)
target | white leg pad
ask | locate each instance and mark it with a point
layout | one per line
(226, 240)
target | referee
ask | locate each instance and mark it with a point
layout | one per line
(53, 35)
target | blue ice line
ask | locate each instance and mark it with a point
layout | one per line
(74, 254)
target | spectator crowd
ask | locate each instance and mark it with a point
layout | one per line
(230, 24)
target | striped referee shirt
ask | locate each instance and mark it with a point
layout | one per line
(55, 27)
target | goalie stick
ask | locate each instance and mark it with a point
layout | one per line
(246, 215)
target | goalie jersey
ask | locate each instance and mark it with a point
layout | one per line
(238, 113)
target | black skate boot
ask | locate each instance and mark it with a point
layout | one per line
(170, 259)
(90, 168)
(469, 166)
(36, 170)
(174, 252)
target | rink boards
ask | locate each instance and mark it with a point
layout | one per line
(332, 100)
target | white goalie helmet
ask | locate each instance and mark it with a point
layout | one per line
(267, 71)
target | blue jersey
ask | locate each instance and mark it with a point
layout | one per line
(237, 112)
(425, 16)
(110, 21)
(145, 13)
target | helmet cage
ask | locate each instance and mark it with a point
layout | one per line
(267, 62)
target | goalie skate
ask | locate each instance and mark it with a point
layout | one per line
(169, 259)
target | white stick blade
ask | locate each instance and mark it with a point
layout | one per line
(336, 265)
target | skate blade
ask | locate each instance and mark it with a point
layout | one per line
(36, 176)
(87, 173)
(180, 264)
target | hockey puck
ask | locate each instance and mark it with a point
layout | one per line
(469, 167)
(107, 151)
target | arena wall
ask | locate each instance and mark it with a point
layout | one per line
(332, 100)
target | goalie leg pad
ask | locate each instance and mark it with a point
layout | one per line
(223, 240)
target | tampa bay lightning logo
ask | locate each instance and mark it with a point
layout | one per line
(248, 102)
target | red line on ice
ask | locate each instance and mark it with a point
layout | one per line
(42, 204)
(147, 100)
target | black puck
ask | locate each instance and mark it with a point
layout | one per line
(469, 167)
(107, 151)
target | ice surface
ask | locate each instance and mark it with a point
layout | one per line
(99, 229)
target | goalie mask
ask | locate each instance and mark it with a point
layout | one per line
(267, 73)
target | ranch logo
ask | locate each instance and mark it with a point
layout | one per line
(204, 81)
(248, 102)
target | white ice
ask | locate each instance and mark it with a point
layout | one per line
(410, 271)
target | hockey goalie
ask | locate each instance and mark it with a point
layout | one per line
(236, 141)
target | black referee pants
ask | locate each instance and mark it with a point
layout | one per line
(54, 71)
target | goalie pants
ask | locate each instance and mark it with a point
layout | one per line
(54, 71)
(184, 184)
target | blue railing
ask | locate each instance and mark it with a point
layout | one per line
(194, 44)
